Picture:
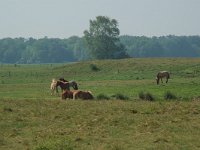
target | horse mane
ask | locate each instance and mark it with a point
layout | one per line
(62, 79)
(72, 81)
(89, 92)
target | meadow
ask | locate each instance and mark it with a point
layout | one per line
(30, 118)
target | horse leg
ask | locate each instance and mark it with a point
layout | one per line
(74, 95)
(161, 80)
(56, 90)
(167, 80)
(157, 80)
(52, 90)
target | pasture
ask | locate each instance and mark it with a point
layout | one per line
(30, 118)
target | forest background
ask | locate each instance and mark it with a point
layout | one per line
(72, 49)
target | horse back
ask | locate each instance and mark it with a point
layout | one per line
(83, 95)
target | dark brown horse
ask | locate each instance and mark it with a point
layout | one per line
(162, 74)
(62, 79)
(67, 94)
(67, 85)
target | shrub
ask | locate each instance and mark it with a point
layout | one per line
(93, 67)
(120, 96)
(168, 95)
(146, 96)
(102, 97)
(141, 95)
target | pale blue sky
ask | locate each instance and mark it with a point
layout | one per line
(65, 18)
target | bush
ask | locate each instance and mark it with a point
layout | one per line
(168, 95)
(93, 67)
(102, 97)
(146, 96)
(120, 96)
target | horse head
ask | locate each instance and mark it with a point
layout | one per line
(74, 85)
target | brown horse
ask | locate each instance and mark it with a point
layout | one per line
(85, 95)
(67, 94)
(67, 85)
(162, 74)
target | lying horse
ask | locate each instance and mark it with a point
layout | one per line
(53, 87)
(162, 74)
(67, 94)
(85, 95)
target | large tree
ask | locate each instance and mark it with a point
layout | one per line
(102, 39)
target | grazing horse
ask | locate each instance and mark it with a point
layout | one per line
(162, 74)
(85, 95)
(53, 87)
(67, 85)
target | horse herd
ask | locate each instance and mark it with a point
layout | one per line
(86, 95)
(66, 92)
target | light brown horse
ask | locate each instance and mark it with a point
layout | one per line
(53, 87)
(162, 74)
(85, 95)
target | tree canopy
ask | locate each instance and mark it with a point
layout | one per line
(102, 39)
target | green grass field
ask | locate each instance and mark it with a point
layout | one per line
(30, 118)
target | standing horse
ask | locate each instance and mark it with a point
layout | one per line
(67, 85)
(162, 74)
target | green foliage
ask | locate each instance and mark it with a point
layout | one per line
(120, 96)
(102, 97)
(164, 46)
(169, 95)
(94, 67)
(102, 39)
(53, 50)
(146, 96)
(30, 50)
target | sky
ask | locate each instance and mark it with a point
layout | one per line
(66, 18)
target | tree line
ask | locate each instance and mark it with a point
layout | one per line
(53, 50)
(100, 41)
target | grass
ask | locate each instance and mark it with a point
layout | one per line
(127, 76)
(30, 118)
(113, 124)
